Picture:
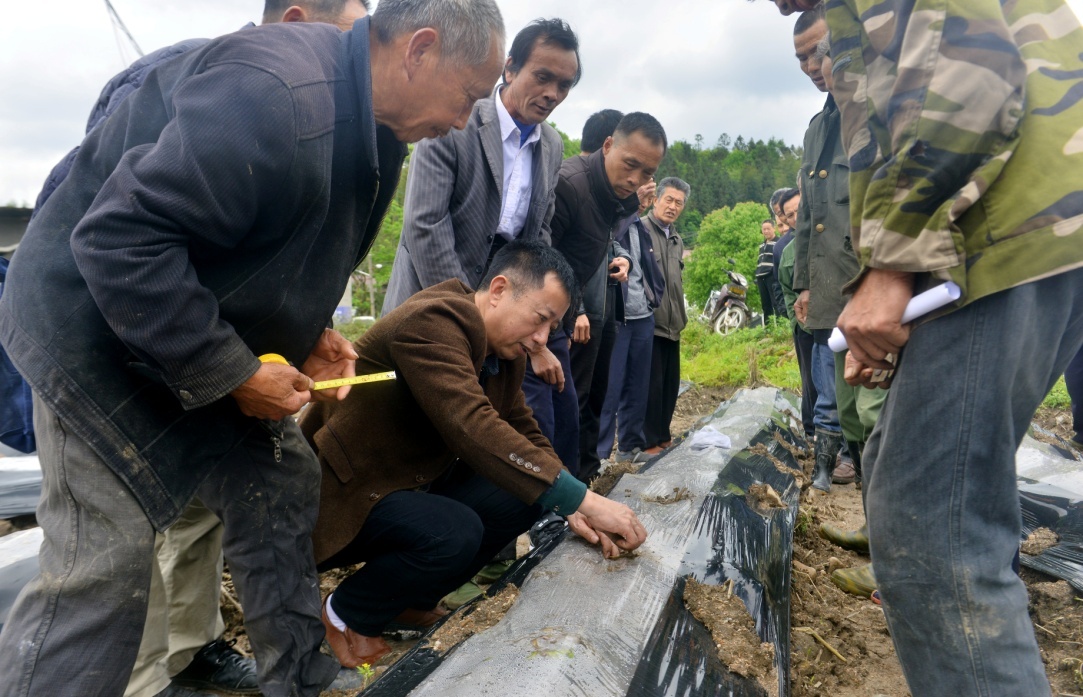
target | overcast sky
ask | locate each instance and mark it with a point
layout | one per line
(701, 66)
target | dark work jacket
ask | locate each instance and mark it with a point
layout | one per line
(824, 258)
(214, 217)
(670, 317)
(654, 284)
(586, 221)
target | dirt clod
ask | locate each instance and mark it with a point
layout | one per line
(485, 614)
(1038, 541)
(733, 631)
(762, 498)
(680, 493)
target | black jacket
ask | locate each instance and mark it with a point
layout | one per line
(586, 222)
(215, 216)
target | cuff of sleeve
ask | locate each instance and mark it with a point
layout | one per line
(564, 496)
(210, 385)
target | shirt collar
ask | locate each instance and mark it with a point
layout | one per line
(508, 129)
(664, 228)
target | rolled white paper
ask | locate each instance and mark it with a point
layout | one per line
(919, 305)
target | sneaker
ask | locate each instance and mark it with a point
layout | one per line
(461, 595)
(625, 456)
(218, 666)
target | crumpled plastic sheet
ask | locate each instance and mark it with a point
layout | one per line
(18, 564)
(1050, 481)
(584, 625)
(20, 485)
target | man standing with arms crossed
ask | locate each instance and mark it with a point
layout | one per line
(961, 125)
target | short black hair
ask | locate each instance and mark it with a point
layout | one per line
(786, 196)
(645, 124)
(807, 19)
(553, 31)
(768, 221)
(527, 264)
(323, 9)
(598, 127)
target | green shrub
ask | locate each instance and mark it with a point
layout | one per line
(749, 357)
(725, 233)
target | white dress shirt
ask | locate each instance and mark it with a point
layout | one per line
(518, 171)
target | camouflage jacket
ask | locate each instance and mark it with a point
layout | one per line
(963, 123)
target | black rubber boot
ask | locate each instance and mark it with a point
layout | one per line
(854, 448)
(828, 445)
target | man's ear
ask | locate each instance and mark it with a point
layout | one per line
(295, 13)
(498, 287)
(607, 146)
(422, 48)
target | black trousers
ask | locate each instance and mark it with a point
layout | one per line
(662, 393)
(590, 370)
(418, 546)
(802, 343)
(766, 284)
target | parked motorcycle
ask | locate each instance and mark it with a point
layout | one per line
(726, 310)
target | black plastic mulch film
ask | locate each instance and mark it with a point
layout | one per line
(1048, 506)
(731, 541)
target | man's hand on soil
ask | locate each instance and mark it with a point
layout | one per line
(613, 525)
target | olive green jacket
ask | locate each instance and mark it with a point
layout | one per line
(785, 280)
(963, 123)
(824, 257)
(670, 317)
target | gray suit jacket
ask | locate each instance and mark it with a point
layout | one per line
(453, 197)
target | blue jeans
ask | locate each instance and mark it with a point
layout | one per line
(625, 403)
(944, 520)
(557, 413)
(1073, 380)
(826, 412)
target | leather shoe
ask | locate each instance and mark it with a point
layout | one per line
(419, 619)
(350, 648)
(217, 666)
(844, 472)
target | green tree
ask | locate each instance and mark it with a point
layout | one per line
(724, 234)
(571, 145)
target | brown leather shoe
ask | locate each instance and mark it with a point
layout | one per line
(350, 648)
(654, 450)
(420, 618)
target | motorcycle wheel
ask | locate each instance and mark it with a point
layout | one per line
(730, 320)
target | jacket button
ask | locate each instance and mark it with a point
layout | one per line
(419, 478)
(373, 496)
(185, 395)
(488, 238)
(536, 468)
(477, 269)
(513, 457)
(812, 172)
(820, 227)
(823, 174)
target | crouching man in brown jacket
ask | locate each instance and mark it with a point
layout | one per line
(426, 477)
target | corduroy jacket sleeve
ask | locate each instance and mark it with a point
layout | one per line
(223, 156)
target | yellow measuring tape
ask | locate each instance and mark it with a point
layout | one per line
(338, 382)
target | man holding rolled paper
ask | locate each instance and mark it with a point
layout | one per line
(967, 169)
